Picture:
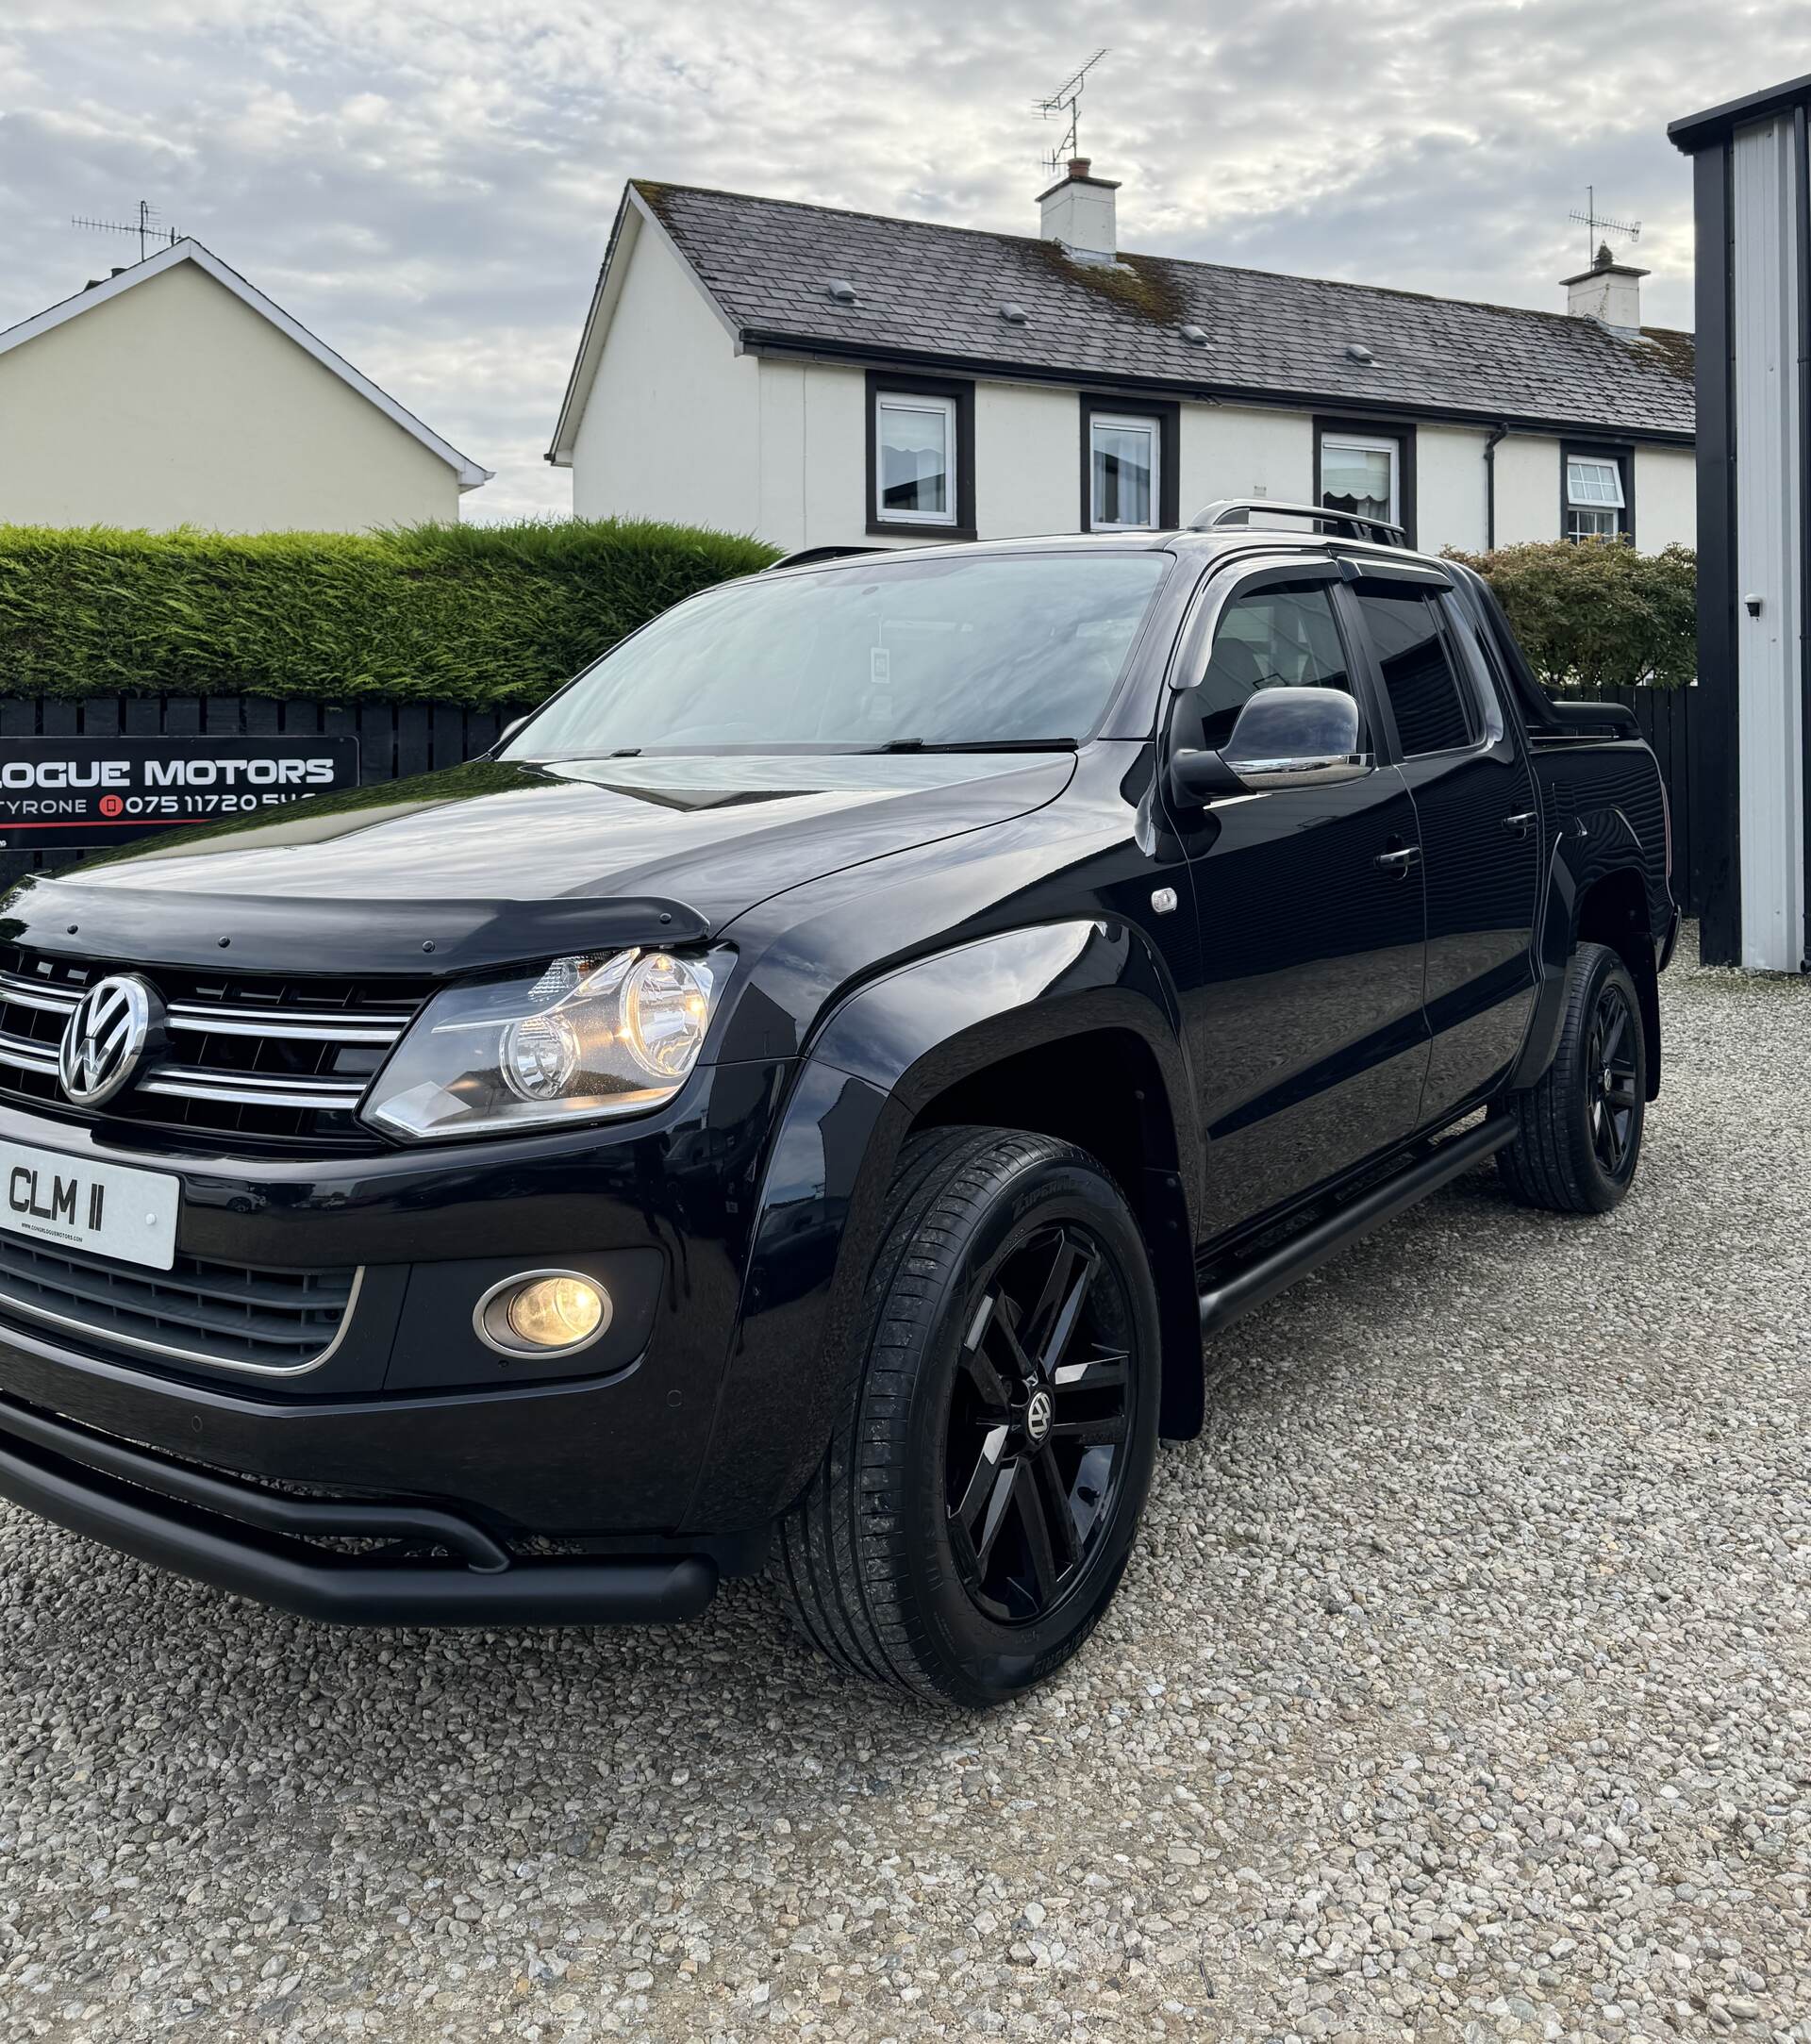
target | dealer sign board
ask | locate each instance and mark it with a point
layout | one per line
(58, 792)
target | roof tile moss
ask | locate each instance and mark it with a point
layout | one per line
(1677, 351)
(1137, 284)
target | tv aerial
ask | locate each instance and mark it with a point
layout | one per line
(147, 226)
(1599, 227)
(1066, 99)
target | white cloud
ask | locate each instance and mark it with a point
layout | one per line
(430, 185)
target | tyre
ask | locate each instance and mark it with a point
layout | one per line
(973, 1512)
(1580, 1136)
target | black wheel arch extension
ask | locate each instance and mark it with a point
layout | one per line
(972, 1034)
(1599, 889)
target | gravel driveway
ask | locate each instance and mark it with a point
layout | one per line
(1460, 1688)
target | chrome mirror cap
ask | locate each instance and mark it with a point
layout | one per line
(1297, 738)
(1321, 772)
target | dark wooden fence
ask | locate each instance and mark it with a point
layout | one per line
(396, 740)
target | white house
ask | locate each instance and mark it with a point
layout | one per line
(175, 393)
(832, 378)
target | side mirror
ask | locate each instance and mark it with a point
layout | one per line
(1283, 738)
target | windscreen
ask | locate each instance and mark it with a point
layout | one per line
(982, 650)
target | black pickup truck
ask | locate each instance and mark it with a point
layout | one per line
(805, 1100)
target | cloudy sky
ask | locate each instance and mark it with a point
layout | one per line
(429, 188)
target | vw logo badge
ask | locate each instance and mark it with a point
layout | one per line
(1039, 1413)
(105, 1038)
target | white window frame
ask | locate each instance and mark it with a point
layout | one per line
(1595, 501)
(1358, 444)
(1128, 422)
(1606, 466)
(1576, 527)
(911, 401)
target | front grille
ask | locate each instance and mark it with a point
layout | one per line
(255, 1056)
(196, 1311)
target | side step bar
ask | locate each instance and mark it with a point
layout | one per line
(1279, 1268)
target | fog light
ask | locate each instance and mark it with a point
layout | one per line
(554, 1312)
(543, 1313)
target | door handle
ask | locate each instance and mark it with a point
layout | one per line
(1398, 863)
(1521, 823)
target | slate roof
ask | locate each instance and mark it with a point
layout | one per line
(926, 291)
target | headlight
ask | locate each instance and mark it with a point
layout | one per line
(587, 1036)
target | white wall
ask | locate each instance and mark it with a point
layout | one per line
(672, 427)
(175, 403)
(1527, 489)
(813, 459)
(1027, 460)
(1228, 451)
(1666, 498)
(813, 464)
(1449, 488)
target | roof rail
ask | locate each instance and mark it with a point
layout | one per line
(809, 554)
(1238, 511)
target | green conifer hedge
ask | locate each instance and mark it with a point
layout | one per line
(484, 616)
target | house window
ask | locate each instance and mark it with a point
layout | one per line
(1125, 458)
(1363, 476)
(920, 457)
(915, 459)
(1130, 462)
(1596, 506)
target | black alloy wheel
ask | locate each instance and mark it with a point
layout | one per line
(1037, 1423)
(1613, 1078)
(1578, 1138)
(978, 1499)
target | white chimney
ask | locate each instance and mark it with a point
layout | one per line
(1608, 290)
(1079, 214)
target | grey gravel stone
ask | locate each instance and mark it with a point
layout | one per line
(1460, 1690)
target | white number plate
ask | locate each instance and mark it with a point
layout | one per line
(107, 1208)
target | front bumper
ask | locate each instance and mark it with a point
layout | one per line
(409, 1409)
(268, 1545)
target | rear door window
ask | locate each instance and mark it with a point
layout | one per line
(1425, 695)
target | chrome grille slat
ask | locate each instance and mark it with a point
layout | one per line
(24, 992)
(24, 1055)
(294, 1025)
(189, 1082)
(232, 1316)
(283, 1058)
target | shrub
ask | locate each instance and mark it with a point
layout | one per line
(486, 616)
(1596, 614)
